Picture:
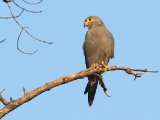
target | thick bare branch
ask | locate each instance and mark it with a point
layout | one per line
(63, 80)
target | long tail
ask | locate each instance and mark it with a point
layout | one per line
(91, 89)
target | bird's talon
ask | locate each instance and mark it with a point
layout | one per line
(106, 67)
(94, 65)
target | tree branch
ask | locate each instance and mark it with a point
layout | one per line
(12, 16)
(23, 29)
(32, 3)
(13, 104)
(26, 9)
(2, 40)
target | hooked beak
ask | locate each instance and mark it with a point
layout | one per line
(86, 23)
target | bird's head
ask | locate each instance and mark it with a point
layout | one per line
(93, 21)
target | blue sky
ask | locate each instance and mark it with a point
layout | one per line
(135, 26)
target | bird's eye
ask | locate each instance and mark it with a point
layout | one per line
(90, 19)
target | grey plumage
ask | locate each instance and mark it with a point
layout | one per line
(98, 47)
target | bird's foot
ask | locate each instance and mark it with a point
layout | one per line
(94, 65)
(106, 67)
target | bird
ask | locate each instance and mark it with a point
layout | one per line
(98, 49)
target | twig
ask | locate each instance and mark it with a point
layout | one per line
(2, 99)
(23, 29)
(24, 91)
(136, 72)
(2, 91)
(63, 80)
(26, 9)
(20, 49)
(32, 3)
(2, 40)
(12, 16)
